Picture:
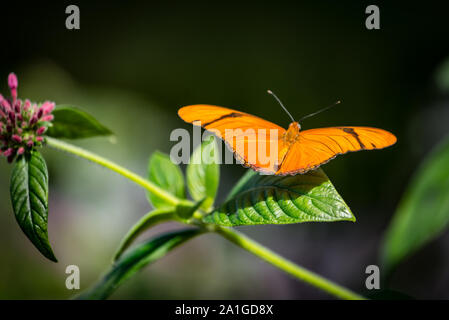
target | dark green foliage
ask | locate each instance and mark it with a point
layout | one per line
(29, 196)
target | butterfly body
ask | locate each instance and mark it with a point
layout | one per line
(292, 134)
(254, 140)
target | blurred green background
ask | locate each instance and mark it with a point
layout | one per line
(133, 64)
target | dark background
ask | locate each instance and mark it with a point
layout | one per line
(133, 64)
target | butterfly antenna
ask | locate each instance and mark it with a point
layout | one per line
(279, 101)
(319, 111)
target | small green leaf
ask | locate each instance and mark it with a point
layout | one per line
(136, 259)
(29, 196)
(147, 221)
(203, 173)
(167, 175)
(73, 123)
(264, 199)
(423, 212)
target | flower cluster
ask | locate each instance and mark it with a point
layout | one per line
(22, 123)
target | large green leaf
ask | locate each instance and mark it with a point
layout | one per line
(269, 199)
(423, 212)
(73, 123)
(203, 173)
(147, 221)
(136, 259)
(29, 196)
(167, 175)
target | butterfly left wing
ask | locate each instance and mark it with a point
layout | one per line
(317, 146)
(249, 137)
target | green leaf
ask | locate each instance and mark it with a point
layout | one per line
(203, 173)
(423, 212)
(167, 175)
(269, 199)
(147, 221)
(73, 123)
(29, 196)
(136, 259)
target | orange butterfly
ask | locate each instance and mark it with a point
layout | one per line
(296, 151)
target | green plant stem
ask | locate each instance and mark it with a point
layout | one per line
(234, 236)
(63, 146)
(287, 266)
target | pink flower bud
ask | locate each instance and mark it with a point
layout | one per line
(48, 117)
(12, 81)
(33, 120)
(12, 116)
(6, 106)
(40, 112)
(27, 105)
(39, 139)
(17, 108)
(8, 152)
(20, 151)
(30, 143)
(41, 130)
(48, 107)
(16, 138)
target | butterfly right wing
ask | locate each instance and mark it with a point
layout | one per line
(318, 146)
(254, 141)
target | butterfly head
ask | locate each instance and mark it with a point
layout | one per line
(294, 127)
